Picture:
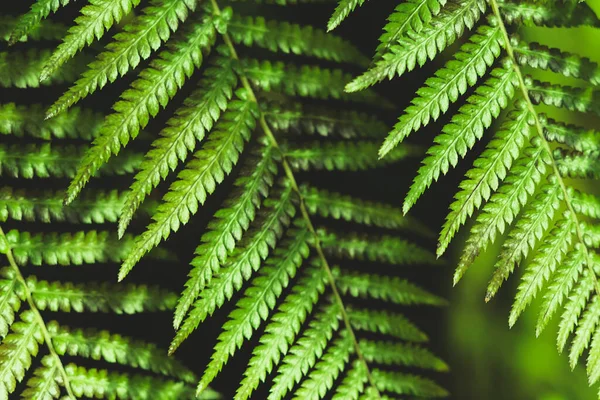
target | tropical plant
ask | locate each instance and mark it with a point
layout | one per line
(251, 129)
(525, 182)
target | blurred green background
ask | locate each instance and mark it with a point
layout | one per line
(496, 362)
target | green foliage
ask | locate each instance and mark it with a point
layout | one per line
(266, 255)
(522, 183)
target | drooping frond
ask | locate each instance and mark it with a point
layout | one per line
(254, 119)
(40, 9)
(96, 18)
(26, 328)
(521, 184)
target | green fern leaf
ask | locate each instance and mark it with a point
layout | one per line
(487, 173)
(325, 372)
(501, 210)
(303, 355)
(96, 18)
(225, 231)
(22, 69)
(409, 16)
(136, 43)
(199, 179)
(343, 9)
(189, 126)
(257, 302)
(20, 121)
(343, 156)
(561, 285)
(294, 39)
(564, 63)
(382, 322)
(450, 82)
(461, 134)
(17, 350)
(426, 44)
(548, 257)
(282, 328)
(243, 262)
(385, 249)
(153, 90)
(40, 9)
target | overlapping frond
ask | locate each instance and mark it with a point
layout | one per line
(254, 118)
(41, 355)
(36, 350)
(522, 183)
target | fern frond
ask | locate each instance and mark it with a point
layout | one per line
(406, 384)
(153, 89)
(243, 262)
(461, 134)
(416, 48)
(343, 156)
(532, 13)
(409, 16)
(17, 350)
(21, 69)
(100, 383)
(227, 229)
(584, 203)
(334, 205)
(273, 277)
(96, 18)
(123, 299)
(394, 290)
(22, 121)
(325, 372)
(303, 355)
(44, 30)
(386, 323)
(40, 9)
(118, 349)
(343, 9)
(301, 119)
(385, 249)
(281, 330)
(199, 179)
(138, 40)
(488, 171)
(564, 63)
(56, 161)
(561, 285)
(584, 100)
(578, 139)
(306, 81)
(450, 82)
(247, 118)
(575, 165)
(96, 207)
(293, 38)
(521, 180)
(574, 307)
(189, 126)
(390, 353)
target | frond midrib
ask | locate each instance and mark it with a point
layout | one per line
(305, 215)
(38, 315)
(540, 132)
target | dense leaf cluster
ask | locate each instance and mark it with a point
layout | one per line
(525, 182)
(264, 103)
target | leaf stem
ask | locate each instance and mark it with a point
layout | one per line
(38, 315)
(290, 175)
(540, 133)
